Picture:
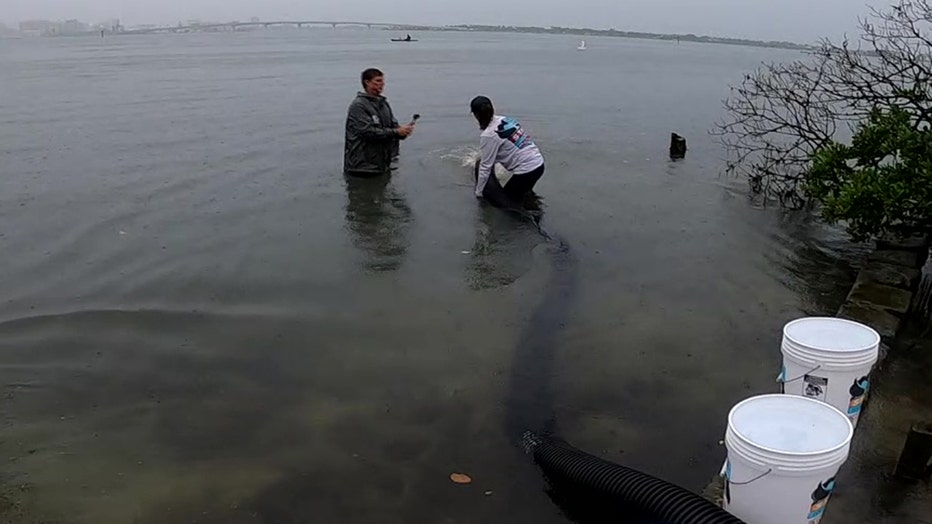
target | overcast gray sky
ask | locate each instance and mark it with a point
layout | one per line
(800, 20)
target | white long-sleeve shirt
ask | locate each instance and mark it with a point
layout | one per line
(505, 142)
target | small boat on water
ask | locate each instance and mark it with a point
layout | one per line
(405, 39)
(582, 46)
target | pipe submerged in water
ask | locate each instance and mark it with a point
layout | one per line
(647, 496)
(530, 405)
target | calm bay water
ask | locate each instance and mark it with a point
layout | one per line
(202, 321)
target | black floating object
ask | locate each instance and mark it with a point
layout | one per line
(677, 147)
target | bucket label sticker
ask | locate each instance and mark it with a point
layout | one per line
(819, 500)
(815, 387)
(858, 391)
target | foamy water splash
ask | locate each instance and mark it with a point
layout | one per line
(467, 157)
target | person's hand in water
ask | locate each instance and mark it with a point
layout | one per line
(405, 131)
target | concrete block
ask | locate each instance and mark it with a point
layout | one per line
(910, 243)
(884, 322)
(912, 259)
(884, 352)
(714, 492)
(889, 275)
(916, 454)
(892, 299)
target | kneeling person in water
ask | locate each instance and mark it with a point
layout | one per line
(504, 141)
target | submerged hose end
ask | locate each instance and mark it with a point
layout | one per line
(591, 477)
(530, 441)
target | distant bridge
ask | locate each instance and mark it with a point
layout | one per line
(232, 26)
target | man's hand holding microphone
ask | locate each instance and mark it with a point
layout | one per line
(406, 130)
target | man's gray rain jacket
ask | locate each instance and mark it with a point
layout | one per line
(371, 139)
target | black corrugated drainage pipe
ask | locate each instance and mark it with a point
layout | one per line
(655, 499)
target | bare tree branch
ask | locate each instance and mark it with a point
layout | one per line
(781, 114)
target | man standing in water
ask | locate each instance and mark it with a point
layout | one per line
(372, 132)
(504, 141)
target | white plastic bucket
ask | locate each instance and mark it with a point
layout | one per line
(783, 454)
(829, 359)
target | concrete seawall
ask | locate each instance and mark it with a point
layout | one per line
(883, 292)
(890, 296)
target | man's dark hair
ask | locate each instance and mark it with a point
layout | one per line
(369, 74)
(483, 110)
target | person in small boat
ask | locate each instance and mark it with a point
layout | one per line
(503, 140)
(408, 38)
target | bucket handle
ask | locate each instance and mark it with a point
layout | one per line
(755, 479)
(782, 379)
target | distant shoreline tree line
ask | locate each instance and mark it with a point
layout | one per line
(584, 31)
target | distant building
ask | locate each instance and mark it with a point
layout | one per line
(8, 32)
(74, 27)
(37, 27)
